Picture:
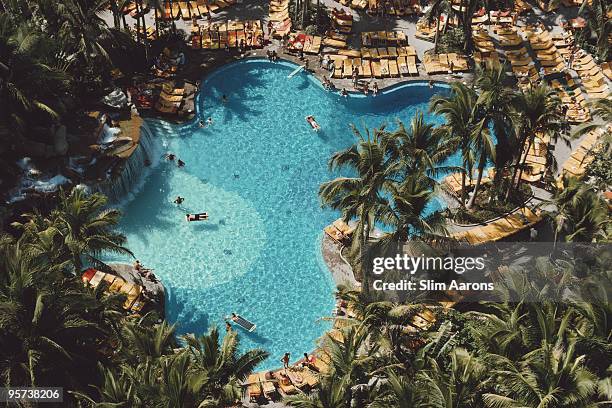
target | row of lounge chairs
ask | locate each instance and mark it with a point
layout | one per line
(339, 231)
(281, 383)
(546, 52)
(336, 40)
(355, 4)
(170, 98)
(230, 34)
(134, 302)
(342, 21)
(279, 17)
(573, 99)
(383, 68)
(309, 44)
(383, 38)
(581, 157)
(592, 77)
(393, 7)
(191, 9)
(521, 63)
(445, 63)
(500, 228)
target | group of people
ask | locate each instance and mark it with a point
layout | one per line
(171, 157)
(272, 55)
(208, 122)
(146, 273)
(308, 361)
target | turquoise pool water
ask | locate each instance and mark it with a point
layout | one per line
(256, 171)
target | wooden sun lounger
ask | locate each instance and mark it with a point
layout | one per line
(384, 68)
(366, 69)
(284, 384)
(376, 69)
(393, 68)
(412, 67)
(402, 65)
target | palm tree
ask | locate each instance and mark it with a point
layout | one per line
(409, 212)
(599, 25)
(330, 394)
(221, 364)
(418, 148)
(32, 82)
(359, 196)
(438, 9)
(603, 108)
(143, 341)
(87, 227)
(579, 212)
(457, 386)
(458, 110)
(398, 392)
(538, 114)
(492, 113)
(549, 376)
(45, 335)
(484, 151)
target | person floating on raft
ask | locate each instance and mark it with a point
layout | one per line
(196, 217)
(311, 120)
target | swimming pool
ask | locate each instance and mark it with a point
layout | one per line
(256, 171)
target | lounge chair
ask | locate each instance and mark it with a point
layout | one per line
(393, 68)
(384, 68)
(284, 384)
(366, 69)
(402, 65)
(376, 69)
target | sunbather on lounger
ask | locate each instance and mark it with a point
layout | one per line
(196, 217)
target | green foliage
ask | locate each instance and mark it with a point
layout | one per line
(54, 331)
(452, 41)
(600, 169)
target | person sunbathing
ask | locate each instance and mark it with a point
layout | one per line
(196, 217)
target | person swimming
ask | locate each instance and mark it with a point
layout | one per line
(170, 156)
(180, 163)
(344, 92)
(202, 124)
(179, 200)
(224, 99)
(209, 121)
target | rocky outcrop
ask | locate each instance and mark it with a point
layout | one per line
(154, 288)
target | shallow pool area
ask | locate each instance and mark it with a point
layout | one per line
(256, 171)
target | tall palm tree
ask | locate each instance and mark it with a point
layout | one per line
(360, 195)
(538, 113)
(599, 25)
(484, 151)
(45, 335)
(32, 81)
(438, 9)
(580, 213)
(603, 108)
(493, 112)
(457, 386)
(458, 110)
(331, 393)
(419, 147)
(549, 376)
(410, 212)
(220, 363)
